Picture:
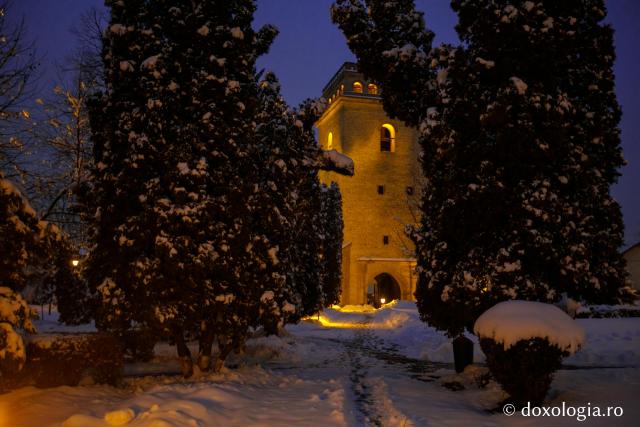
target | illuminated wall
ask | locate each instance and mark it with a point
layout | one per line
(382, 196)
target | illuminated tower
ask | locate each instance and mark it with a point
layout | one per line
(383, 194)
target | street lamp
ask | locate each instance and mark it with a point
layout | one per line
(382, 300)
(75, 262)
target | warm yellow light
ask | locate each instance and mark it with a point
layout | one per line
(330, 141)
(382, 300)
(75, 262)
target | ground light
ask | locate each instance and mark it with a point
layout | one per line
(382, 300)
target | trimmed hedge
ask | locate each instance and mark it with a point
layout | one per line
(524, 370)
(602, 312)
(56, 360)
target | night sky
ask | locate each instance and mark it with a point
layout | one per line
(310, 49)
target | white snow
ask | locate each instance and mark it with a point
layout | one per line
(126, 66)
(488, 64)
(118, 29)
(305, 377)
(511, 321)
(204, 30)
(520, 86)
(273, 255)
(119, 417)
(151, 62)
(338, 161)
(237, 33)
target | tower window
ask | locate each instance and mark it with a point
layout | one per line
(410, 191)
(372, 89)
(357, 87)
(380, 189)
(387, 138)
(385, 240)
(330, 141)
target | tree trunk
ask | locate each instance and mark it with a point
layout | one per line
(186, 364)
(224, 348)
(462, 353)
(204, 350)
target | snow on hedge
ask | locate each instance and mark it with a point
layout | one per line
(512, 321)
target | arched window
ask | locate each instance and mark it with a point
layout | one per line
(387, 138)
(330, 141)
(372, 89)
(357, 87)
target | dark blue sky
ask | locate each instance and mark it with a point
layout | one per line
(310, 49)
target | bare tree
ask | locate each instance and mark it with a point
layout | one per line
(60, 129)
(17, 66)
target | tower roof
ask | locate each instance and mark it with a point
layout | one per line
(345, 83)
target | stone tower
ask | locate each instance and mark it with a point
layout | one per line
(383, 194)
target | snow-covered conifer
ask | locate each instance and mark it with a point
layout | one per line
(332, 230)
(173, 178)
(15, 316)
(520, 138)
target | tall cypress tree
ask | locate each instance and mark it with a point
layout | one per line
(331, 254)
(295, 205)
(520, 138)
(172, 182)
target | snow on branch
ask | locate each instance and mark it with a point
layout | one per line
(334, 161)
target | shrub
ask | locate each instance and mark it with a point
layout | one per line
(15, 317)
(138, 344)
(524, 370)
(69, 359)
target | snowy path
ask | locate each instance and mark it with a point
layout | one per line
(372, 359)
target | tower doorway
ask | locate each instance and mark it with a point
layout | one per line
(384, 290)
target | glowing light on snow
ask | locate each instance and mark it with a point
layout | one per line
(328, 323)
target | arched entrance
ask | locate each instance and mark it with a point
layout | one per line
(384, 290)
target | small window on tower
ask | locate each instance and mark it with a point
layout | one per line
(385, 240)
(330, 141)
(387, 138)
(372, 89)
(410, 191)
(357, 87)
(380, 189)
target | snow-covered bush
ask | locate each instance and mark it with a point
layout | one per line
(55, 360)
(15, 316)
(524, 343)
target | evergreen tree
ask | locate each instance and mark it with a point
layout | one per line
(28, 244)
(331, 255)
(520, 138)
(295, 205)
(74, 300)
(174, 182)
(15, 316)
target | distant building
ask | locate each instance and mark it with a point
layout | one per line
(383, 195)
(632, 255)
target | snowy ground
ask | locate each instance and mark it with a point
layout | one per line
(349, 368)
